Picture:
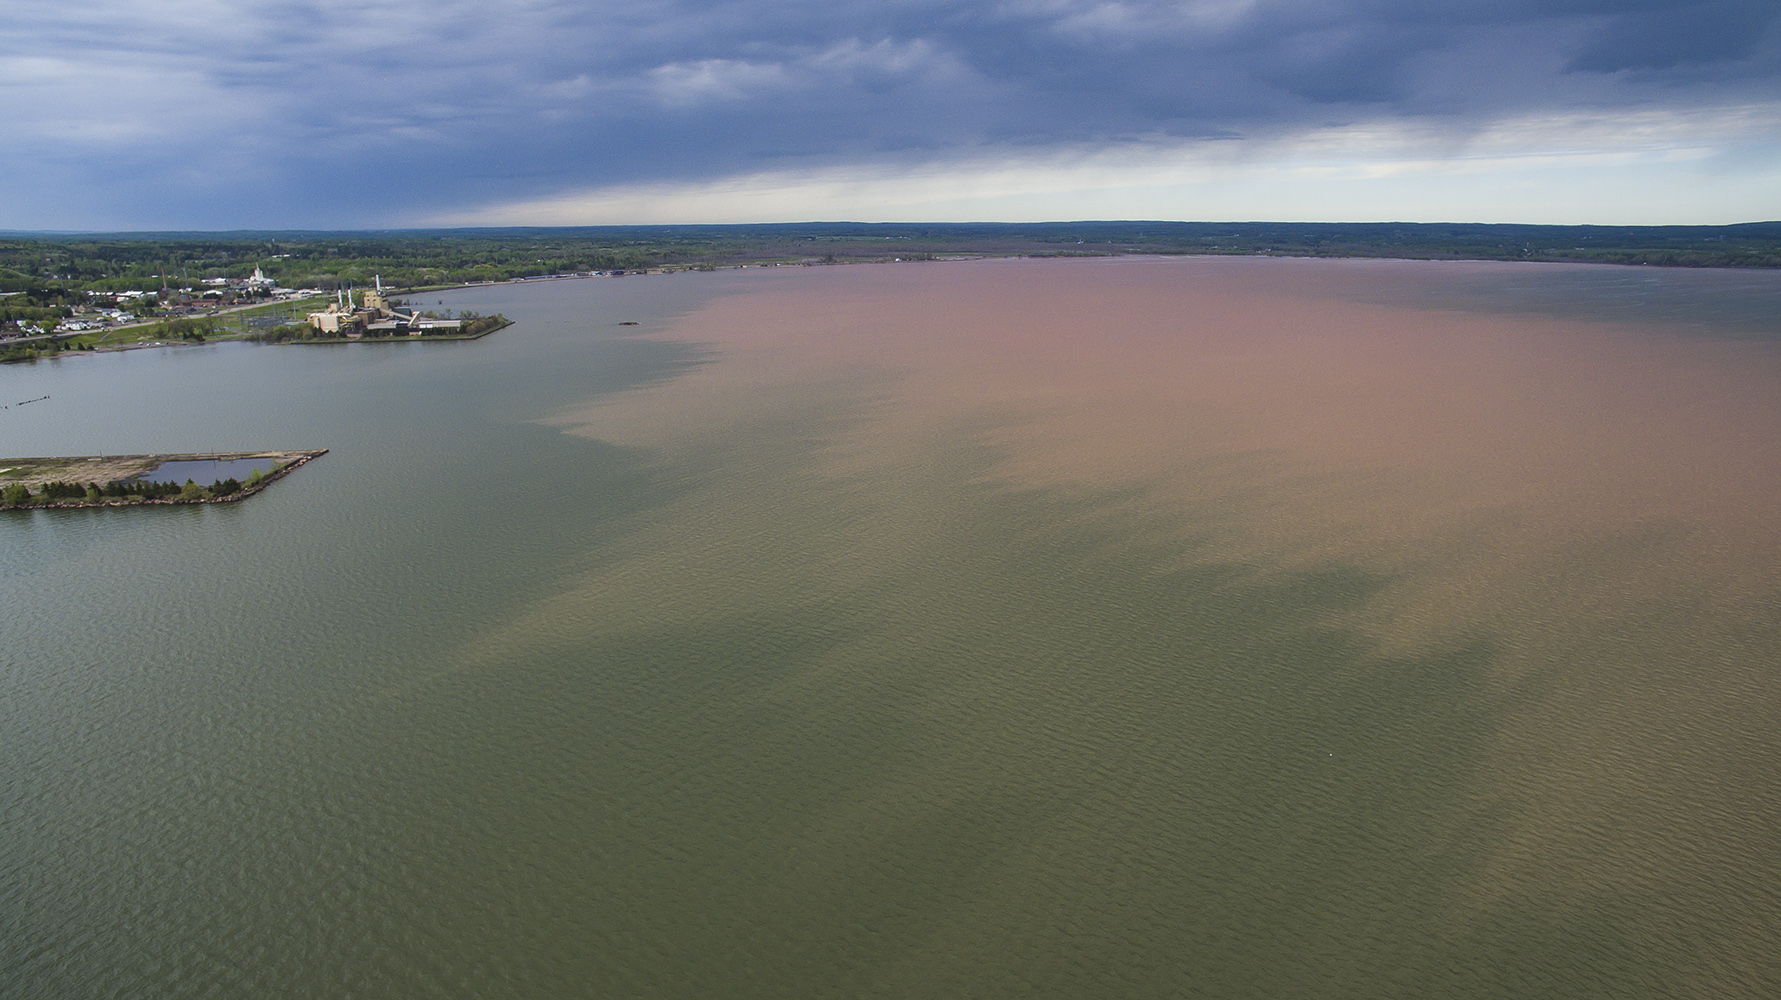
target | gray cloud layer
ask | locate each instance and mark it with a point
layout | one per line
(321, 112)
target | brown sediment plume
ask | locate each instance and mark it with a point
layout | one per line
(1593, 502)
(1384, 429)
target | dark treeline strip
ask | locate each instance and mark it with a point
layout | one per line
(122, 489)
(54, 271)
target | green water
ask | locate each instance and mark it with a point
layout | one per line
(474, 707)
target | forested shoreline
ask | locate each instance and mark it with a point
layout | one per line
(50, 271)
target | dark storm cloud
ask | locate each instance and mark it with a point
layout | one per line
(326, 112)
(1671, 36)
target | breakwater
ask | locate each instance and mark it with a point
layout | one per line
(29, 472)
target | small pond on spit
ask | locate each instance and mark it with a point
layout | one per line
(209, 470)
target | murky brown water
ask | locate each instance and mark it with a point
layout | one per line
(1221, 627)
(1594, 503)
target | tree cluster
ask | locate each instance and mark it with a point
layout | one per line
(475, 325)
(138, 488)
(286, 332)
(18, 493)
(195, 330)
(63, 491)
(37, 307)
(119, 489)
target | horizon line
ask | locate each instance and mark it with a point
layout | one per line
(850, 223)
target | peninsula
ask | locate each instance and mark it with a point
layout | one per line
(378, 317)
(136, 480)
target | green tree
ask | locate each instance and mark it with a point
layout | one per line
(15, 493)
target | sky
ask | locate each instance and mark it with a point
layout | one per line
(226, 114)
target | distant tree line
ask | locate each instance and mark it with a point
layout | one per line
(307, 260)
(57, 271)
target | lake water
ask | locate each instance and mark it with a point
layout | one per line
(1143, 627)
(207, 471)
